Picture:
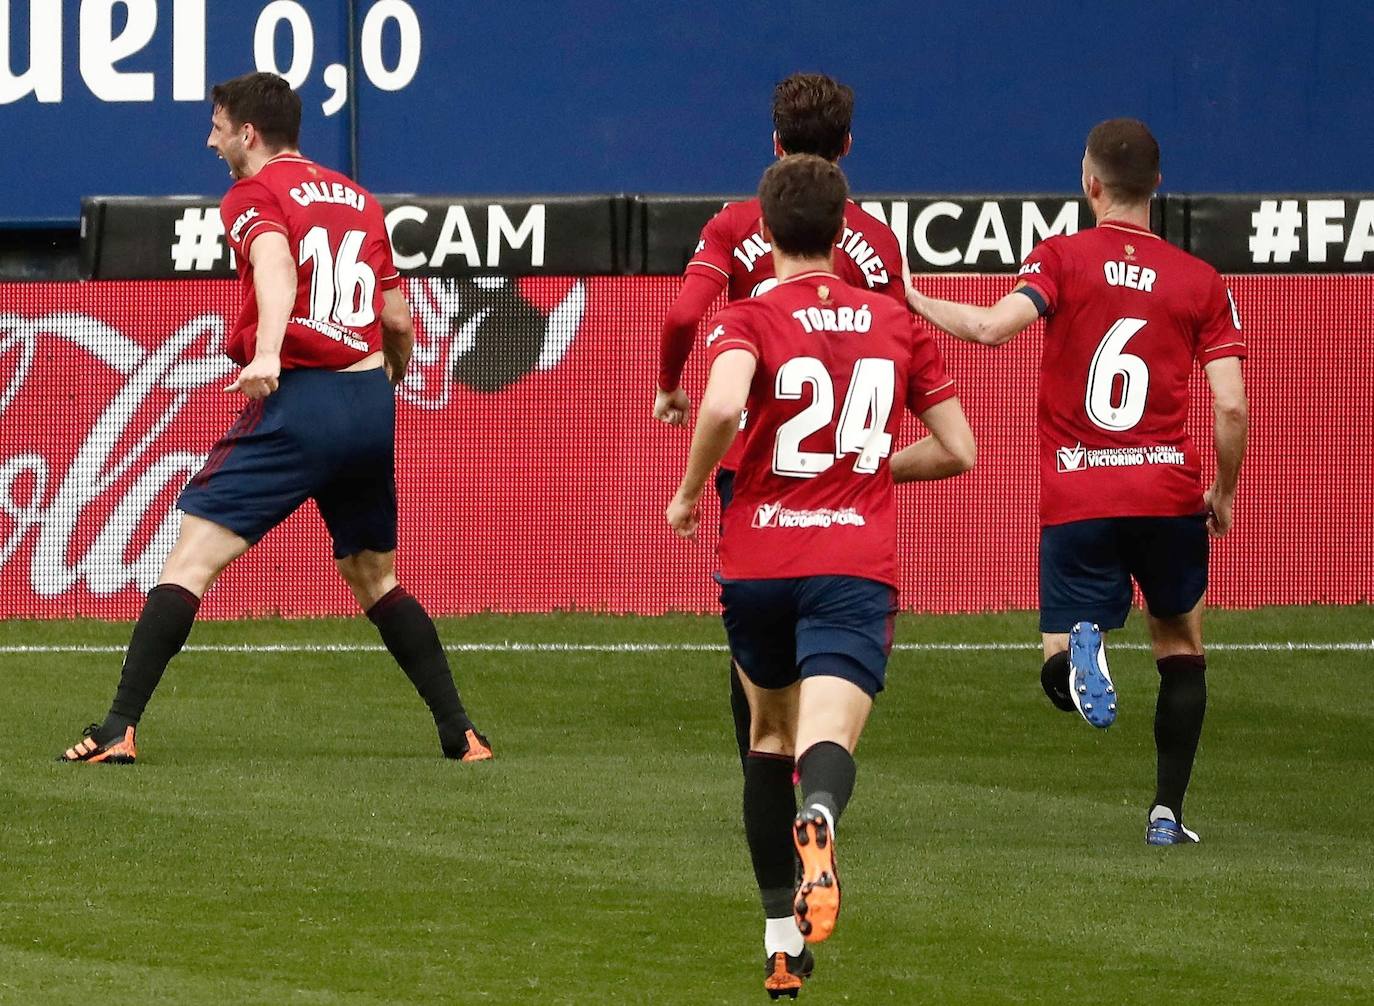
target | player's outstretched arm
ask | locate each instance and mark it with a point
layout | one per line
(727, 392)
(990, 326)
(274, 286)
(398, 334)
(949, 450)
(698, 293)
(1232, 423)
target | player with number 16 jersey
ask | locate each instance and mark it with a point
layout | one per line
(338, 235)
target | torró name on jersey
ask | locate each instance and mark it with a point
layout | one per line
(813, 491)
(339, 242)
(1128, 316)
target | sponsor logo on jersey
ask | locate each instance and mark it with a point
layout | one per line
(716, 333)
(236, 231)
(775, 515)
(1070, 459)
(1078, 458)
(1028, 268)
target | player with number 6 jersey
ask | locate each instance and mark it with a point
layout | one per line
(324, 334)
(808, 555)
(1128, 318)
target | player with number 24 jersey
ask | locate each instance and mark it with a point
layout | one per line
(835, 366)
(337, 232)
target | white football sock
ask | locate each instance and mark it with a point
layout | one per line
(1160, 811)
(782, 935)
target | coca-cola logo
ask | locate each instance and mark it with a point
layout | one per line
(88, 470)
(46, 499)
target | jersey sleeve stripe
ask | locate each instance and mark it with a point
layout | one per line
(708, 265)
(1225, 345)
(245, 241)
(936, 391)
(749, 347)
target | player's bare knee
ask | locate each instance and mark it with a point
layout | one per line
(369, 576)
(770, 734)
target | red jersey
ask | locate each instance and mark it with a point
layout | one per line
(813, 493)
(1128, 314)
(343, 259)
(732, 246)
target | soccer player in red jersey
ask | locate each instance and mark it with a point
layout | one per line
(808, 554)
(1121, 493)
(811, 115)
(324, 324)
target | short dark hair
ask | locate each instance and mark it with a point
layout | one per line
(803, 198)
(812, 113)
(265, 100)
(1126, 156)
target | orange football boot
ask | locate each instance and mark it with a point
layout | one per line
(478, 748)
(116, 751)
(817, 904)
(784, 974)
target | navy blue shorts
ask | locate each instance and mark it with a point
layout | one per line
(1086, 568)
(775, 627)
(321, 435)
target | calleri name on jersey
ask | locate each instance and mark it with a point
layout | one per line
(1128, 315)
(338, 239)
(835, 365)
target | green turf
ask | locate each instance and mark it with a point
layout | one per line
(290, 835)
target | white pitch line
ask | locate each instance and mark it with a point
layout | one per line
(517, 647)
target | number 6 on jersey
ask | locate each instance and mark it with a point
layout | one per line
(862, 427)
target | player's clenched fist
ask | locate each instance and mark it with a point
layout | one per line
(258, 379)
(672, 407)
(683, 516)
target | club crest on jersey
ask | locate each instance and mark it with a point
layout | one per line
(1071, 459)
(1130, 253)
(823, 292)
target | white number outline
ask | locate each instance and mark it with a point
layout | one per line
(1108, 362)
(341, 289)
(862, 426)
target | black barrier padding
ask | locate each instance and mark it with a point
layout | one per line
(177, 237)
(1292, 233)
(182, 237)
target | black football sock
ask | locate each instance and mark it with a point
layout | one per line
(739, 709)
(1054, 679)
(158, 636)
(410, 637)
(827, 777)
(769, 807)
(1178, 726)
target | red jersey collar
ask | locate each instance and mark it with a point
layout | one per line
(1123, 225)
(812, 274)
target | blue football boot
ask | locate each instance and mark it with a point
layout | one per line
(1090, 683)
(1164, 830)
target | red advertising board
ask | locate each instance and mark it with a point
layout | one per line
(532, 477)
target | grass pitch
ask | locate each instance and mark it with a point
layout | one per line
(291, 835)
